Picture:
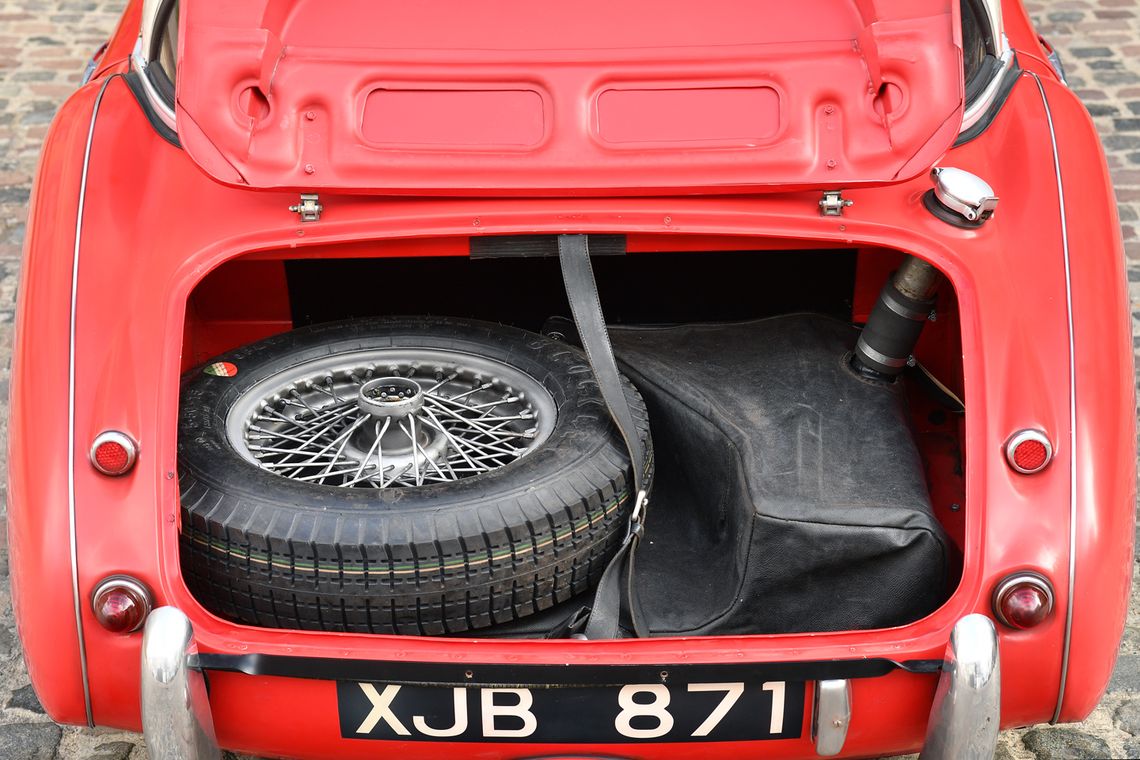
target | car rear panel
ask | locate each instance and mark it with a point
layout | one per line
(145, 247)
(315, 733)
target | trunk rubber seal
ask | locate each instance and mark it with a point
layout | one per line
(1010, 79)
(136, 87)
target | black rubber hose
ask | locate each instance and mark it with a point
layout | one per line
(895, 323)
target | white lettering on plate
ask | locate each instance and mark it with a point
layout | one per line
(458, 726)
(631, 709)
(521, 710)
(732, 692)
(381, 709)
(502, 710)
(777, 689)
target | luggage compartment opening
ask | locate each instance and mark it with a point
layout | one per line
(762, 432)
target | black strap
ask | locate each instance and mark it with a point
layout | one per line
(572, 627)
(616, 584)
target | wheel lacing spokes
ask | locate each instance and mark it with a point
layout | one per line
(393, 426)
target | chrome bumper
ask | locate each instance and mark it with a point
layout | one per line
(963, 719)
(966, 712)
(176, 718)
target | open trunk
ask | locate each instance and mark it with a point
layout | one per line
(792, 494)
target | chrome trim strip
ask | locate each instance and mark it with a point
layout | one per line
(976, 110)
(997, 24)
(966, 712)
(150, 11)
(161, 108)
(1072, 409)
(71, 405)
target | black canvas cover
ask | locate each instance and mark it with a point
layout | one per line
(789, 495)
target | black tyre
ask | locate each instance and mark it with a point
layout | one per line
(509, 494)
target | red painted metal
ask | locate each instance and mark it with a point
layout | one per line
(717, 96)
(156, 226)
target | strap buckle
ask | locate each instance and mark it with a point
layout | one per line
(637, 517)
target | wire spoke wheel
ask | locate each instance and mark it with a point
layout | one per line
(391, 418)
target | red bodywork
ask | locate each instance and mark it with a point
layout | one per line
(154, 225)
(684, 98)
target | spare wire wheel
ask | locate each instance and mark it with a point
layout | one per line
(391, 418)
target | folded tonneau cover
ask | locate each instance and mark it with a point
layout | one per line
(790, 495)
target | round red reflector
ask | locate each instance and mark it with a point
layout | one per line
(1023, 601)
(111, 456)
(113, 453)
(1028, 451)
(1030, 455)
(121, 604)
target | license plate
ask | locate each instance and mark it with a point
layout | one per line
(668, 711)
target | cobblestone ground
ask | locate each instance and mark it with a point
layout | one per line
(43, 47)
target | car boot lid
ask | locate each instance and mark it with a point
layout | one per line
(595, 96)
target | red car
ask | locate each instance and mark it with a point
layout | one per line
(362, 348)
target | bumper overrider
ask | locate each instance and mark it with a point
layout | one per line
(964, 717)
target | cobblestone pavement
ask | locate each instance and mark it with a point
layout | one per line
(43, 48)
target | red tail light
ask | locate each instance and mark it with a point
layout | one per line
(1023, 600)
(1028, 451)
(121, 604)
(113, 453)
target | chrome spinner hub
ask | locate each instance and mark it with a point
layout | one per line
(387, 397)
